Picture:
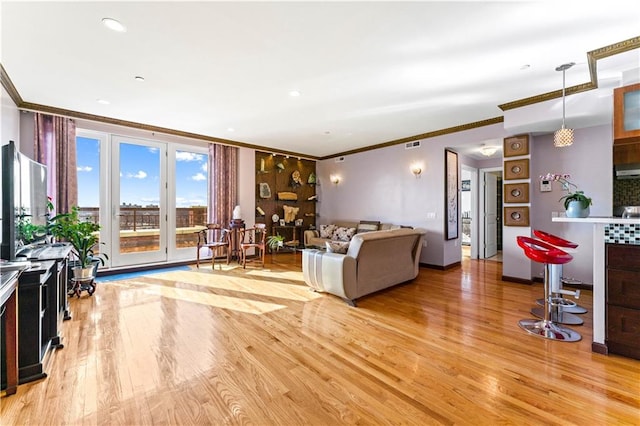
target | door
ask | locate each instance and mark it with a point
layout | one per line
(139, 198)
(490, 215)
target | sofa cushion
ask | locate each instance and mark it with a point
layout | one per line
(367, 226)
(337, 246)
(326, 231)
(343, 233)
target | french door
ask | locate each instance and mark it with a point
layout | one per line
(150, 197)
(138, 201)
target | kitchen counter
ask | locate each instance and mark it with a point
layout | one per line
(598, 219)
(614, 230)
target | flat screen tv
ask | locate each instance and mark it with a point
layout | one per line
(24, 198)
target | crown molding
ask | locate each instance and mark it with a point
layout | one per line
(455, 129)
(592, 60)
(28, 106)
(9, 87)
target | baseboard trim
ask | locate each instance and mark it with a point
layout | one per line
(440, 267)
(599, 348)
(516, 280)
(113, 271)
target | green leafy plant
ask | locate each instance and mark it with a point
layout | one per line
(29, 232)
(83, 235)
(275, 241)
(572, 190)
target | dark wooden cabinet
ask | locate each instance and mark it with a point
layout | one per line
(623, 299)
(42, 306)
(626, 153)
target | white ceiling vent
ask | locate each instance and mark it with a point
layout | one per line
(339, 159)
(411, 145)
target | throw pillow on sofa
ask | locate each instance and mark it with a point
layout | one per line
(343, 234)
(326, 231)
(340, 247)
(367, 226)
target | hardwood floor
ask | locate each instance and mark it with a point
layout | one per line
(257, 347)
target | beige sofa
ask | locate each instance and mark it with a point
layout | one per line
(312, 238)
(374, 261)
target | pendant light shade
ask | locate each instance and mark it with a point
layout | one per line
(564, 136)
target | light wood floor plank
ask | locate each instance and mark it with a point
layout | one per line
(256, 346)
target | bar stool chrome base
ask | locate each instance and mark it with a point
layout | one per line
(549, 330)
(569, 307)
(561, 316)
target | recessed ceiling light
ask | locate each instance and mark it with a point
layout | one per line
(231, 129)
(138, 78)
(294, 93)
(114, 25)
(103, 101)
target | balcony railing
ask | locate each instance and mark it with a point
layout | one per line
(139, 226)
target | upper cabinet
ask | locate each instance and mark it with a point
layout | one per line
(626, 114)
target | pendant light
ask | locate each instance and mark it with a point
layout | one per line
(564, 136)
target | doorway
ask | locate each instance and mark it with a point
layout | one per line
(490, 219)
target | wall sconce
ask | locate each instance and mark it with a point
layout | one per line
(335, 179)
(416, 170)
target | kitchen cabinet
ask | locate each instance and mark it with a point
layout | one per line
(626, 153)
(626, 114)
(623, 299)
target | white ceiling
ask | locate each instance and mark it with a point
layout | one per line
(368, 72)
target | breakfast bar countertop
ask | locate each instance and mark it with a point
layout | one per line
(600, 239)
(598, 219)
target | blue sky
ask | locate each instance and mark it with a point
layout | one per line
(140, 175)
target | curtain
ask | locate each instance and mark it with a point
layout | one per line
(55, 147)
(223, 183)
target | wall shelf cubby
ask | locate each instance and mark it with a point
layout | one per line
(276, 174)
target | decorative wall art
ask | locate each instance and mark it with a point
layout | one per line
(516, 192)
(516, 169)
(265, 190)
(296, 180)
(466, 185)
(516, 145)
(451, 194)
(516, 216)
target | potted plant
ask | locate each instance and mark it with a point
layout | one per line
(576, 203)
(28, 232)
(274, 242)
(84, 237)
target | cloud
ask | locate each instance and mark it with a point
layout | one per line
(85, 168)
(205, 167)
(140, 175)
(188, 156)
(198, 177)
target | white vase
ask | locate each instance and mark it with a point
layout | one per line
(576, 209)
(82, 273)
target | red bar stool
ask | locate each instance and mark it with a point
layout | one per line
(566, 307)
(543, 252)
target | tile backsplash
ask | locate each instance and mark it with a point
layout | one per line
(626, 192)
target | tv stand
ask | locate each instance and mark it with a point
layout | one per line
(42, 306)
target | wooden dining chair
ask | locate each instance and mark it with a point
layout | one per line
(253, 238)
(214, 237)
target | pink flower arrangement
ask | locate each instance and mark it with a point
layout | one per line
(566, 185)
